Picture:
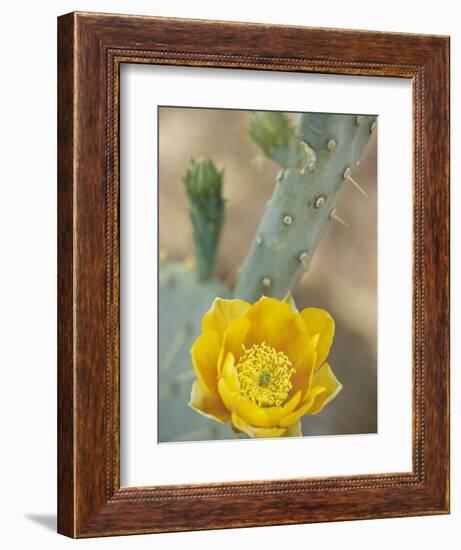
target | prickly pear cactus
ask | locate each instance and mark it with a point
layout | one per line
(316, 161)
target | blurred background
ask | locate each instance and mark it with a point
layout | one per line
(343, 274)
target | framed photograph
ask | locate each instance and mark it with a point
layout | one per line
(253, 277)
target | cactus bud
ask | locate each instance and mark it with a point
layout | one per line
(203, 183)
(203, 179)
(278, 140)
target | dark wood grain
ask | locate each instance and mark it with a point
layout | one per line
(66, 107)
(91, 49)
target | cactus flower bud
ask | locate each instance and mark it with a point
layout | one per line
(278, 140)
(204, 188)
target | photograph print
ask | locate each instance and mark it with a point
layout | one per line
(267, 274)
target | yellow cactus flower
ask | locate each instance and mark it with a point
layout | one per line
(262, 366)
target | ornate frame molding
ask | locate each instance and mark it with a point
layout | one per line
(91, 49)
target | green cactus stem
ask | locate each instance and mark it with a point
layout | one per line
(303, 202)
(203, 183)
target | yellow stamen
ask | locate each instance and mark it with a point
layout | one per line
(265, 375)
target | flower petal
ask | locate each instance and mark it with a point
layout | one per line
(296, 342)
(302, 354)
(233, 340)
(206, 404)
(230, 374)
(265, 417)
(230, 398)
(252, 431)
(327, 380)
(305, 408)
(270, 323)
(222, 313)
(318, 321)
(276, 324)
(205, 354)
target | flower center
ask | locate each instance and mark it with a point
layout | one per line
(265, 375)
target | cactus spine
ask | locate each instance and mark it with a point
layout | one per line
(316, 160)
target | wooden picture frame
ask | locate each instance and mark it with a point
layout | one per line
(92, 48)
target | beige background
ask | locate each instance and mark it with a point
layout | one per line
(342, 275)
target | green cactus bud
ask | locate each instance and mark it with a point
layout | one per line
(269, 130)
(203, 183)
(278, 140)
(202, 179)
